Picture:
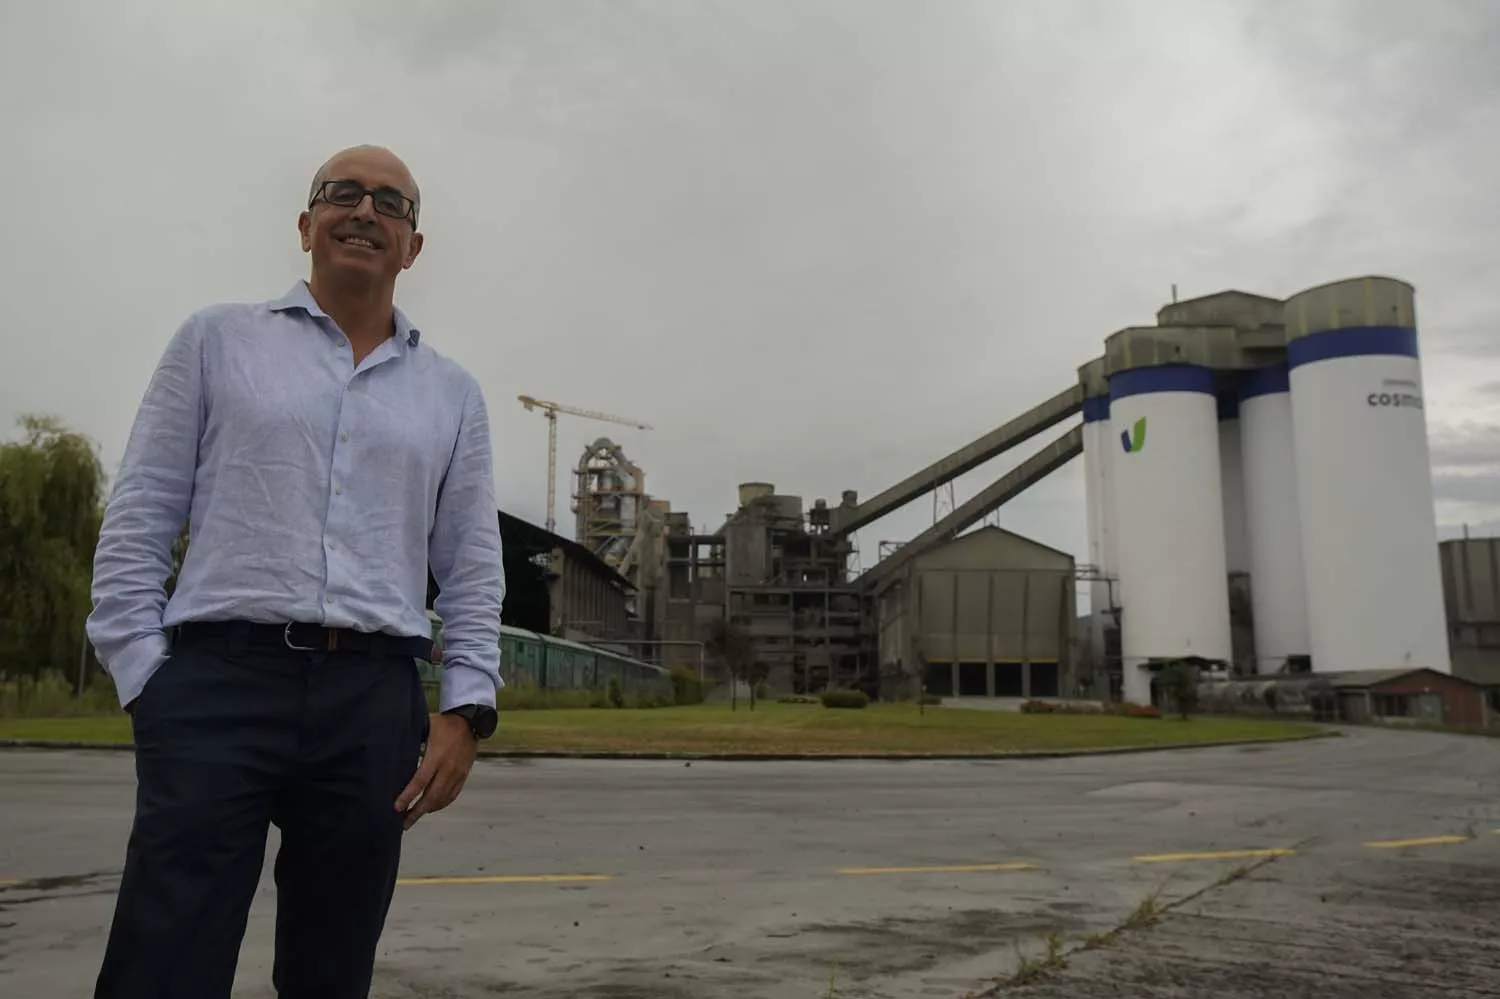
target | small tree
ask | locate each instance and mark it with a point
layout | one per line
(51, 500)
(1179, 683)
(730, 643)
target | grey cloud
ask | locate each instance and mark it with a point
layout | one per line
(1474, 489)
(1466, 469)
(1464, 446)
(821, 243)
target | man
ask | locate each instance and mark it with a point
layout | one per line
(323, 457)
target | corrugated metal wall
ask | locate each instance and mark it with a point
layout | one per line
(1471, 596)
(983, 610)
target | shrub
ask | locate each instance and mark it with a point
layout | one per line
(1118, 708)
(53, 695)
(528, 698)
(844, 699)
(797, 699)
(930, 699)
(686, 687)
(615, 695)
(651, 699)
(1179, 682)
(1125, 709)
(1139, 711)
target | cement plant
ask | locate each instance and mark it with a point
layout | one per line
(1259, 505)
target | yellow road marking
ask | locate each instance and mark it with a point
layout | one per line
(1171, 858)
(940, 869)
(506, 879)
(1397, 844)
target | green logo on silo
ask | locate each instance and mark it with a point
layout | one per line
(1134, 439)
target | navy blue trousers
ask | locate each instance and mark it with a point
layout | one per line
(231, 737)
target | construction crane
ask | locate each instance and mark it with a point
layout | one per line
(550, 411)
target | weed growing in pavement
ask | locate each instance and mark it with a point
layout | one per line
(1147, 913)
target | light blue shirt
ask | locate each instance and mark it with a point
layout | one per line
(313, 492)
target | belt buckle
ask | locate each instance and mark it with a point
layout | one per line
(332, 639)
(286, 636)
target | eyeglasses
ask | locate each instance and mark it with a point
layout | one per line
(347, 193)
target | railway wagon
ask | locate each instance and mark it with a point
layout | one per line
(529, 659)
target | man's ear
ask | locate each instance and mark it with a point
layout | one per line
(412, 250)
(304, 226)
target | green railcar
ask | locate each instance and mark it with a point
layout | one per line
(528, 659)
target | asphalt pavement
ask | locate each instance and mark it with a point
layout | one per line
(1366, 865)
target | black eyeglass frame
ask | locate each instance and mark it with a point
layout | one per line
(321, 193)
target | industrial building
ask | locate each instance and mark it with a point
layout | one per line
(1258, 500)
(1372, 696)
(775, 573)
(1471, 596)
(988, 614)
(555, 586)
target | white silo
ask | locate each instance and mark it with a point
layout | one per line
(1278, 591)
(1169, 504)
(1364, 484)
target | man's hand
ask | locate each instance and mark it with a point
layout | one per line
(451, 748)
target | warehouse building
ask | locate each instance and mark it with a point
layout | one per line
(554, 586)
(988, 614)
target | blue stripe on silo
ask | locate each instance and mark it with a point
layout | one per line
(1166, 378)
(1096, 409)
(1264, 381)
(1356, 341)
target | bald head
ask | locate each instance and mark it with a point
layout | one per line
(360, 224)
(357, 159)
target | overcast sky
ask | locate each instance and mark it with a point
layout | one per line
(813, 243)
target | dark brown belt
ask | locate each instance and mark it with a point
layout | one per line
(301, 637)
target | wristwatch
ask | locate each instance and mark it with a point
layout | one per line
(482, 718)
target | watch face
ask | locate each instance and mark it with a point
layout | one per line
(484, 722)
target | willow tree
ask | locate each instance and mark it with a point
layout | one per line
(51, 501)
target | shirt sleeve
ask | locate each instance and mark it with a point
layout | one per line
(148, 505)
(465, 555)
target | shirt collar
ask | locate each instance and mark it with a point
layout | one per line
(300, 296)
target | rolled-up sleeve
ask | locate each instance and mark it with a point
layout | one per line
(147, 507)
(465, 556)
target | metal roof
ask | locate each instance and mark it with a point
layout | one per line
(1355, 679)
(524, 536)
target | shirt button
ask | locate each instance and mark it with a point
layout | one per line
(338, 490)
(330, 546)
(344, 436)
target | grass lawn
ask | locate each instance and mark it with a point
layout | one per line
(790, 728)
